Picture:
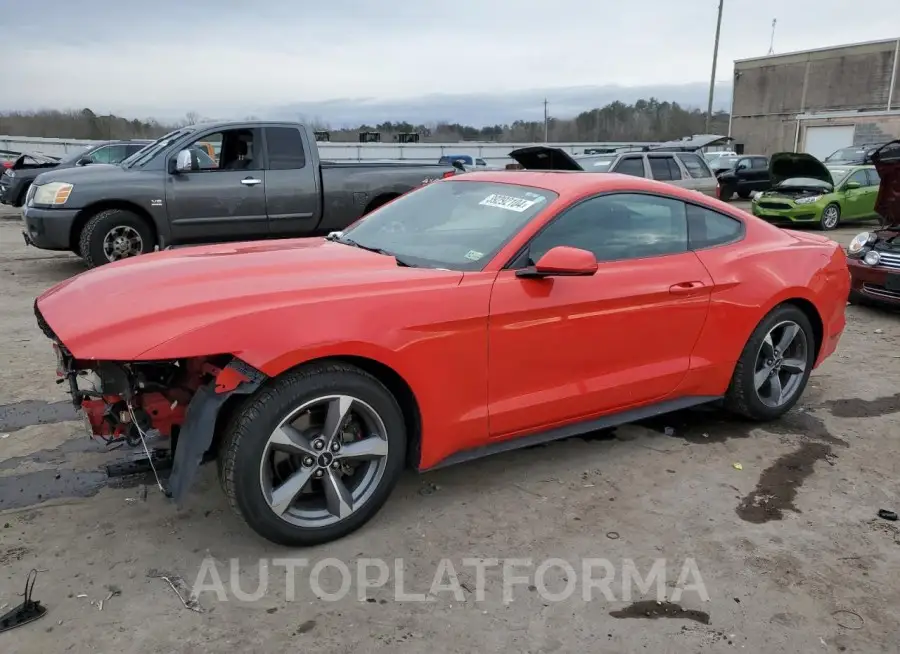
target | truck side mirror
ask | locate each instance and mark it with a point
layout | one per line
(183, 163)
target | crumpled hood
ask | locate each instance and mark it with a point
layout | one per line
(789, 165)
(887, 163)
(121, 310)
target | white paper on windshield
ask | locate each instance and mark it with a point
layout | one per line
(474, 255)
(508, 202)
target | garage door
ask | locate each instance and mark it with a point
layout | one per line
(822, 141)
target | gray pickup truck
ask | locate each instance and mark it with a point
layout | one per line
(264, 180)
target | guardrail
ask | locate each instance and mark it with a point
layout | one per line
(492, 153)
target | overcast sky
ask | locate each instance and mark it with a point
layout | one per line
(346, 60)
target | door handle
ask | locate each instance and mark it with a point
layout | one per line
(251, 181)
(685, 287)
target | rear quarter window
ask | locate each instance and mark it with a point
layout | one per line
(633, 166)
(695, 165)
(708, 228)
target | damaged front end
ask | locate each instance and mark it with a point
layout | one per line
(874, 257)
(156, 406)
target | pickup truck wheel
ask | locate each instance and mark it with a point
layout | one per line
(113, 235)
(313, 455)
(774, 367)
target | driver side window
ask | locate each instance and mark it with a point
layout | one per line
(618, 227)
(859, 177)
(239, 149)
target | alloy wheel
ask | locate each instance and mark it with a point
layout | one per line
(781, 364)
(122, 242)
(830, 217)
(324, 461)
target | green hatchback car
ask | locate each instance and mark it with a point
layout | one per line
(804, 190)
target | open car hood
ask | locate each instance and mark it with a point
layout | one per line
(791, 165)
(887, 163)
(542, 157)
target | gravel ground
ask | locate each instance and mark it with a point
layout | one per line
(791, 553)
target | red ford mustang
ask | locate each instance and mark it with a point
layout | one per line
(474, 315)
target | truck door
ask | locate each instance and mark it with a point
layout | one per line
(293, 196)
(224, 199)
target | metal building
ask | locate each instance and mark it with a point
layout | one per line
(819, 100)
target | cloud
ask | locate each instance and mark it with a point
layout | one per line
(476, 61)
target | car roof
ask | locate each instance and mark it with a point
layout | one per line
(573, 184)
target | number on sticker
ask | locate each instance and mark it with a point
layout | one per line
(507, 202)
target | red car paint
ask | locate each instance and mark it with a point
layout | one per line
(488, 356)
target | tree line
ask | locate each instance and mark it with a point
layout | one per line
(645, 120)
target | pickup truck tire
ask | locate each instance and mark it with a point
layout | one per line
(298, 482)
(114, 234)
(725, 192)
(743, 195)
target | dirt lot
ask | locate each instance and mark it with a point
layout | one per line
(791, 553)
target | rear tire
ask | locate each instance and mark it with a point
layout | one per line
(256, 464)
(112, 235)
(753, 392)
(725, 193)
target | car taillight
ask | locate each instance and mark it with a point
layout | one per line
(449, 173)
(718, 191)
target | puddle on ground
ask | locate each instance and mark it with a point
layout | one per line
(857, 408)
(34, 412)
(776, 489)
(652, 610)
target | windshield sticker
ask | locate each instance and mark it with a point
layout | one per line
(473, 255)
(602, 164)
(508, 202)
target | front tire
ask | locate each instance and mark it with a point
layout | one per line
(113, 235)
(314, 454)
(831, 217)
(774, 367)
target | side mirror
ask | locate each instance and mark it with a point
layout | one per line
(84, 161)
(459, 165)
(562, 261)
(852, 185)
(184, 162)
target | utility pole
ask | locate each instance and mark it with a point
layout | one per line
(712, 77)
(772, 39)
(546, 123)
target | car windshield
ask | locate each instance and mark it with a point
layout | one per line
(455, 225)
(847, 154)
(838, 173)
(145, 154)
(72, 157)
(596, 164)
(726, 161)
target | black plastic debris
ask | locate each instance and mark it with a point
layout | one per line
(885, 514)
(28, 611)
